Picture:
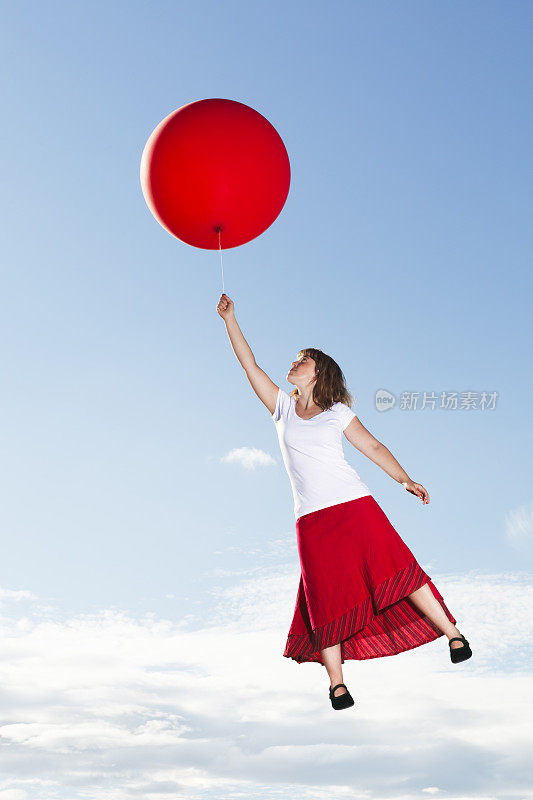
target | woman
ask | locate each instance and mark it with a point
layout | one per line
(362, 593)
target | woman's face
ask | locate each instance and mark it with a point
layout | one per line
(302, 371)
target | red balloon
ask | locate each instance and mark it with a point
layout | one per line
(215, 164)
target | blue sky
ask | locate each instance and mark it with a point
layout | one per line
(142, 481)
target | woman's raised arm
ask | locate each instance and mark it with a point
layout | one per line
(265, 389)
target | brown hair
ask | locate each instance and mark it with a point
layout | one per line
(330, 386)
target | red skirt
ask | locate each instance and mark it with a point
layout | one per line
(356, 573)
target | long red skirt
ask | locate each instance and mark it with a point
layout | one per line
(356, 573)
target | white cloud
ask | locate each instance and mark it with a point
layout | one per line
(519, 526)
(248, 457)
(13, 794)
(16, 594)
(106, 706)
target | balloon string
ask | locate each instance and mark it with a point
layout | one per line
(221, 267)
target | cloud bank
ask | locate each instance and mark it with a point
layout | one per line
(107, 706)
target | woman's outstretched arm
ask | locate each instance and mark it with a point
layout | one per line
(265, 389)
(362, 439)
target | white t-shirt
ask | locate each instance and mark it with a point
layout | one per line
(314, 459)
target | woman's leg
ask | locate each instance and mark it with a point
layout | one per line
(331, 657)
(428, 604)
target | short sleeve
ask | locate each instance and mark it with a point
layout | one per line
(345, 414)
(283, 402)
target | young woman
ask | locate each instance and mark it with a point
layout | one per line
(362, 593)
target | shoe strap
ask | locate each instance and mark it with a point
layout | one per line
(332, 688)
(458, 639)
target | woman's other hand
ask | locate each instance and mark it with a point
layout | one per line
(225, 306)
(417, 489)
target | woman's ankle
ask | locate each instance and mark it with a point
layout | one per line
(451, 632)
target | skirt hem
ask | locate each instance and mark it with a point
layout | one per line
(385, 623)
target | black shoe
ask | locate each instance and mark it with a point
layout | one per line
(459, 653)
(342, 700)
